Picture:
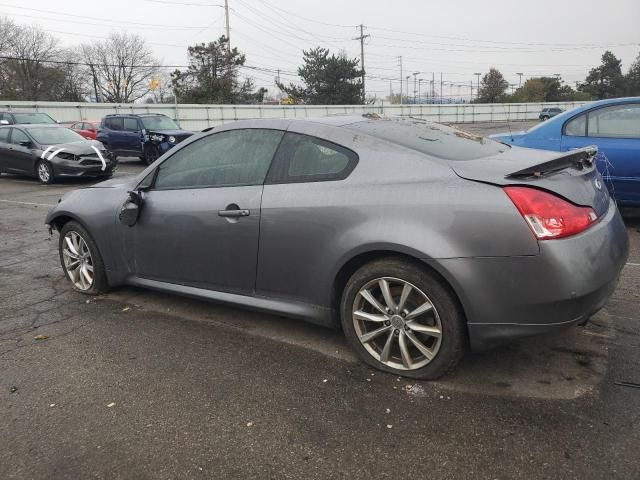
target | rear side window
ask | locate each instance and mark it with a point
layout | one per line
(4, 135)
(576, 127)
(617, 121)
(131, 124)
(113, 123)
(303, 158)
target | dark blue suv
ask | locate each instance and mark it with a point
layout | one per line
(146, 136)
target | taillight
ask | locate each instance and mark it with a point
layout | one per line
(550, 216)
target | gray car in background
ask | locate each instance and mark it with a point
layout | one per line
(417, 239)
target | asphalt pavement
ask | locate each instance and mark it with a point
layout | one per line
(142, 385)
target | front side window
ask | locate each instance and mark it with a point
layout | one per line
(18, 136)
(131, 124)
(617, 121)
(576, 127)
(4, 135)
(234, 157)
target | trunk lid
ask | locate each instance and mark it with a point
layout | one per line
(571, 175)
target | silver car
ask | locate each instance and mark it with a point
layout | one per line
(418, 240)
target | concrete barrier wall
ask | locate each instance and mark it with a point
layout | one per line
(197, 117)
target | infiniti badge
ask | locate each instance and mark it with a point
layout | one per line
(598, 183)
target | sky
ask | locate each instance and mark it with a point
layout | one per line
(455, 38)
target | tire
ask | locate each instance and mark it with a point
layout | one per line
(110, 152)
(98, 283)
(439, 329)
(151, 154)
(544, 118)
(44, 172)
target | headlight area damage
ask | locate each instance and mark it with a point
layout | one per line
(87, 158)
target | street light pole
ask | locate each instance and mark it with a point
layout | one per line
(419, 94)
(520, 82)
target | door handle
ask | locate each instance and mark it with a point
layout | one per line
(234, 213)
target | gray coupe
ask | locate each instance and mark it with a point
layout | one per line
(417, 239)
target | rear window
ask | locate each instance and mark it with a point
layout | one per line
(431, 138)
(26, 118)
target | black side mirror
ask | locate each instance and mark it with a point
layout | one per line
(130, 210)
(26, 143)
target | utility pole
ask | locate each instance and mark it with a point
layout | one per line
(471, 91)
(441, 84)
(361, 38)
(400, 63)
(520, 82)
(477, 74)
(226, 19)
(95, 84)
(419, 94)
(433, 88)
(415, 90)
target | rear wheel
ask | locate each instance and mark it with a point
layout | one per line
(81, 259)
(401, 319)
(44, 171)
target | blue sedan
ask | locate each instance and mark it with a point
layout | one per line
(613, 125)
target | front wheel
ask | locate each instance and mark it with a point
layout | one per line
(81, 259)
(402, 319)
(44, 171)
(151, 154)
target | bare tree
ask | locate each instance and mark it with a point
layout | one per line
(29, 71)
(120, 67)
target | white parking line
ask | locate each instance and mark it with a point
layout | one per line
(634, 264)
(29, 203)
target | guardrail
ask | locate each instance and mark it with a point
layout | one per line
(197, 117)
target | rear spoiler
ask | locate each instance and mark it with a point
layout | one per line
(580, 158)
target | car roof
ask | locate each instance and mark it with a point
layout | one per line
(133, 115)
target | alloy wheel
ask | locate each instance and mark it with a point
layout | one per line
(44, 173)
(77, 260)
(397, 323)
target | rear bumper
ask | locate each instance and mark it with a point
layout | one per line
(511, 297)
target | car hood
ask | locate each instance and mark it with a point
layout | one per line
(83, 147)
(125, 183)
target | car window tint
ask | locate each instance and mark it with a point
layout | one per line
(4, 135)
(235, 157)
(303, 158)
(131, 124)
(617, 121)
(576, 127)
(18, 136)
(114, 123)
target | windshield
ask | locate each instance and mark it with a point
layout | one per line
(159, 122)
(53, 136)
(25, 118)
